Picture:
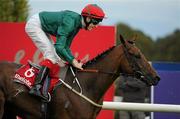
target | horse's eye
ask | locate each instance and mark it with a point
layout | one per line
(136, 55)
(131, 42)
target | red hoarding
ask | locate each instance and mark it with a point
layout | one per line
(16, 46)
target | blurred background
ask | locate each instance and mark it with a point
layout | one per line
(156, 23)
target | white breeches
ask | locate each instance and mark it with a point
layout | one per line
(41, 39)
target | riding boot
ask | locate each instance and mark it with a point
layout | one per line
(36, 89)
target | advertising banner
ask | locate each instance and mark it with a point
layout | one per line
(17, 47)
(167, 91)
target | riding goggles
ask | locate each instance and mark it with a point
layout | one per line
(96, 21)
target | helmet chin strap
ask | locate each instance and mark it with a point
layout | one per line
(86, 23)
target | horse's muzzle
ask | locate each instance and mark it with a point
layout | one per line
(151, 81)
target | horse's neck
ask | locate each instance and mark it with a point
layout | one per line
(99, 83)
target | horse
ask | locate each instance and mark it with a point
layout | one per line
(80, 95)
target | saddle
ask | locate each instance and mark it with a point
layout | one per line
(27, 73)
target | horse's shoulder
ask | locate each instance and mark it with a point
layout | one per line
(8, 68)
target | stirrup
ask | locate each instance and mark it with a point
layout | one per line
(42, 97)
(35, 90)
(45, 99)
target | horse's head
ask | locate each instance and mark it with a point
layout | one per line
(134, 62)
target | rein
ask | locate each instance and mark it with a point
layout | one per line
(97, 71)
(105, 72)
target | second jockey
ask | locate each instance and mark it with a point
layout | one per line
(64, 25)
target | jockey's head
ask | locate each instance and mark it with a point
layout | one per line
(92, 16)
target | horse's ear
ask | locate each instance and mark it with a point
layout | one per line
(121, 38)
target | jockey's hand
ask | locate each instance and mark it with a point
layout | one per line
(77, 64)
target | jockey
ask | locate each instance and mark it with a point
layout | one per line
(64, 25)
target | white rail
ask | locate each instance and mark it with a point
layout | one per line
(145, 107)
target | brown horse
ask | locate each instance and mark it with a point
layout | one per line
(80, 96)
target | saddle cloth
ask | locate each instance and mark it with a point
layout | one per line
(27, 73)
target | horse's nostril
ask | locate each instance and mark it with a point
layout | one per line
(158, 78)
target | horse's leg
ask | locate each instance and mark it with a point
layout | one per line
(2, 101)
(26, 106)
(8, 115)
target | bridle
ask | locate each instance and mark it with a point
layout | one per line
(132, 60)
(138, 71)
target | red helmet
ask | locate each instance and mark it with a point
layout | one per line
(93, 11)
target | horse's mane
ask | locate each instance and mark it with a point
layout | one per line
(101, 55)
